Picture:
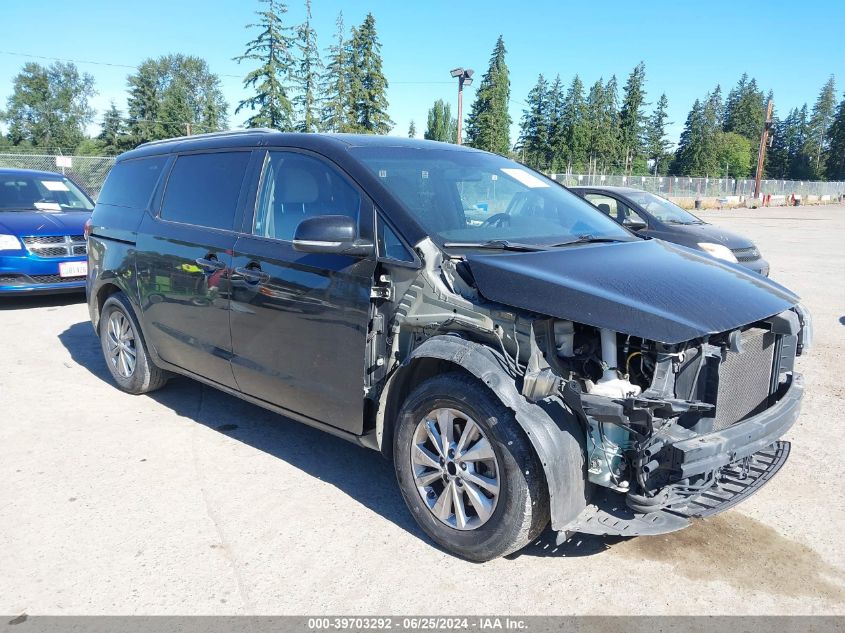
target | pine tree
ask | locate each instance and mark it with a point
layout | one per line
(800, 163)
(367, 84)
(113, 131)
(745, 110)
(631, 119)
(337, 107)
(534, 137)
(656, 144)
(602, 125)
(698, 149)
(777, 156)
(271, 79)
(440, 124)
(835, 166)
(611, 115)
(488, 124)
(557, 139)
(307, 76)
(718, 105)
(575, 124)
(818, 138)
(412, 130)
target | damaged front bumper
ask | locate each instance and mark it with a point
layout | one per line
(608, 513)
(735, 461)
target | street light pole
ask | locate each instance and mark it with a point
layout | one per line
(464, 79)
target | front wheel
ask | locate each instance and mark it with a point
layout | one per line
(467, 471)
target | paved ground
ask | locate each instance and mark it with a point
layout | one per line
(192, 501)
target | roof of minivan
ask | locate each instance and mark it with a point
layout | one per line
(335, 147)
(262, 137)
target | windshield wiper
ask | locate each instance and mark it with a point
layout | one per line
(500, 245)
(588, 239)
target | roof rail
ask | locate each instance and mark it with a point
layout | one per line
(208, 135)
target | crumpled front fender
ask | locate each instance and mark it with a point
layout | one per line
(552, 429)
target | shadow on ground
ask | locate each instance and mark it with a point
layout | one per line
(24, 302)
(361, 473)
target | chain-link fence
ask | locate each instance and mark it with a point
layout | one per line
(685, 187)
(88, 171)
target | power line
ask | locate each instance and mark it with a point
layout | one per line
(87, 61)
(115, 65)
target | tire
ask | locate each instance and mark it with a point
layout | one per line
(140, 376)
(520, 505)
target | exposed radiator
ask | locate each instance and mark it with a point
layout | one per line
(745, 378)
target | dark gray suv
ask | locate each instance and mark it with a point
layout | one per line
(521, 357)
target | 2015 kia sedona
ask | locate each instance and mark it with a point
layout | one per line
(521, 357)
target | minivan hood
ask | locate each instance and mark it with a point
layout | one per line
(696, 233)
(646, 288)
(43, 222)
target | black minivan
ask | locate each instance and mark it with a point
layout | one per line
(521, 357)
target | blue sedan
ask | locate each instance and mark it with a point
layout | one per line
(42, 232)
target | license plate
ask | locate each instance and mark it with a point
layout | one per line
(73, 269)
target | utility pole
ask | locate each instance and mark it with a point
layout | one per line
(464, 79)
(761, 153)
(188, 129)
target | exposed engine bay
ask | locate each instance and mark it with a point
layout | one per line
(661, 421)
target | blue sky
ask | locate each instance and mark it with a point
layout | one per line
(688, 47)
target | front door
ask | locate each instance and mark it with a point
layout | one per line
(299, 321)
(184, 261)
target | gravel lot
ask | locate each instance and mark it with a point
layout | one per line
(194, 502)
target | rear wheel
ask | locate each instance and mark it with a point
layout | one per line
(468, 473)
(124, 349)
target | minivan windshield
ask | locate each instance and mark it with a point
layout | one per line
(662, 209)
(51, 193)
(464, 198)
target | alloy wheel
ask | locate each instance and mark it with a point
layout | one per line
(455, 469)
(122, 352)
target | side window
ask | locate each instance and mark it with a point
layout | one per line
(130, 183)
(389, 244)
(619, 211)
(203, 189)
(631, 218)
(605, 204)
(294, 187)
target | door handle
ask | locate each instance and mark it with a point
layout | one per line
(252, 274)
(209, 264)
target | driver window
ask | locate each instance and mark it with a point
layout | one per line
(615, 209)
(296, 186)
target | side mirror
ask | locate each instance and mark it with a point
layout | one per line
(634, 225)
(336, 234)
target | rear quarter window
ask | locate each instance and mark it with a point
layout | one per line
(131, 183)
(203, 189)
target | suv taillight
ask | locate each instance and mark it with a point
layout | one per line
(86, 230)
